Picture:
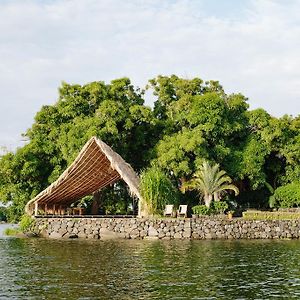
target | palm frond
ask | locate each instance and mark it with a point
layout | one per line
(228, 187)
(209, 180)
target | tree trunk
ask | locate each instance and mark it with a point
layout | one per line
(97, 203)
(207, 199)
(216, 196)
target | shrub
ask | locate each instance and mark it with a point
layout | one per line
(286, 196)
(27, 224)
(202, 210)
(216, 207)
(157, 190)
(219, 207)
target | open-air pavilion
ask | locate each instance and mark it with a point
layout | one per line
(96, 167)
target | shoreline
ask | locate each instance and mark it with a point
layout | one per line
(167, 228)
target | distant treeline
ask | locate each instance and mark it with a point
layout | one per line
(191, 121)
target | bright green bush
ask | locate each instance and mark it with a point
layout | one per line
(202, 210)
(286, 196)
(157, 190)
(219, 207)
(27, 224)
(216, 207)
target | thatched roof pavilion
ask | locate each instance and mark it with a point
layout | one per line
(96, 167)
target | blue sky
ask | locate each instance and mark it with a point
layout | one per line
(226, 9)
(250, 46)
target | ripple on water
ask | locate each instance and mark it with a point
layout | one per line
(53, 269)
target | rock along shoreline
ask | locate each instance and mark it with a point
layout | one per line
(166, 229)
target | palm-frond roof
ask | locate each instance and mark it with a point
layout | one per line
(95, 167)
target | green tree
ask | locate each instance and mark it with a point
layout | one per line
(210, 182)
(202, 122)
(114, 112)
(22, 175)
(192, 120)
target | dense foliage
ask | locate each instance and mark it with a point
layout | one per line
(201, 210)
(191, 121)
(3, 214)
(215, 208)
(27, 224)
(157, 190)
(219, 207)
(286, 196)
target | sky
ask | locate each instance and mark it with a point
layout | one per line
(251, 46)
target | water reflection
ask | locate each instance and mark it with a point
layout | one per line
(126, 269)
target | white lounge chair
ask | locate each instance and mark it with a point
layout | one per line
(169, 210)
(182, 211)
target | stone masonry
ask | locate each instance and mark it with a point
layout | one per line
(198, 228)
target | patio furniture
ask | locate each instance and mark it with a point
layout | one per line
(168, 212)
(182, 211)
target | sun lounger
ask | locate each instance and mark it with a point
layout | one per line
(169, 210)
(182, 211)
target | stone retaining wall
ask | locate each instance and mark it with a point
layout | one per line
(199, 228)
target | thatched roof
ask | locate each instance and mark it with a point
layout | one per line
(95, 167)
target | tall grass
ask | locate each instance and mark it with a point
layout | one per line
(12, 231)
(27, 225)
(157, 190)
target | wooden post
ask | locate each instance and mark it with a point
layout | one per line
(46, 209)
(36, 208)
(53, 208)
(139, 208)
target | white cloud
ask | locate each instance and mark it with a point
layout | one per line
(253, 51)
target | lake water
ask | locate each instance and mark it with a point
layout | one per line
(129, 269)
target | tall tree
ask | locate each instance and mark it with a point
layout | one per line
(192, 121)
(114, 112)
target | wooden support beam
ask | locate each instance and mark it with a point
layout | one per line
(36, 208)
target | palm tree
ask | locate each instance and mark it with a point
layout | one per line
(210, 182)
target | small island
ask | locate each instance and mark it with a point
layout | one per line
(100, 156)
